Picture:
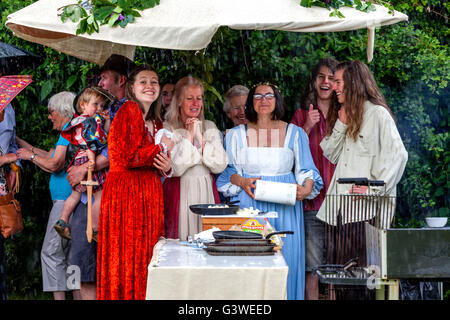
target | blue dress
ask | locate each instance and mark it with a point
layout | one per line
(291, 163)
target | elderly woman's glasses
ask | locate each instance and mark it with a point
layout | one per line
(268, 96)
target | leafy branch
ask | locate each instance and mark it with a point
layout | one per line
(335, 5)
(91, 13)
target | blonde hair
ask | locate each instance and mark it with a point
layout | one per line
(173, 115)
(88, 93)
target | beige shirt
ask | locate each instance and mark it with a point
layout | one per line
(377, 154)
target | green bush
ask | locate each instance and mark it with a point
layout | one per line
(411, 65)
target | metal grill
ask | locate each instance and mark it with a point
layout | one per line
(347, 215)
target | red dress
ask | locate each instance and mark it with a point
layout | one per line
(131, 216)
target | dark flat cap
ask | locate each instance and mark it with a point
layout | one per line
(119, 64)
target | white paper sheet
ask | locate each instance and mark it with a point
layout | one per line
(277, 192)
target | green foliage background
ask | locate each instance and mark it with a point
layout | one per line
(411, 65)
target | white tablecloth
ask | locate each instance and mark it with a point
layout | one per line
(180, 271)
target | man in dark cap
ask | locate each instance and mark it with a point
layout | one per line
(83, 255)
(113, 78)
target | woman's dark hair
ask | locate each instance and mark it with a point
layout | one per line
(154, 112)
(309, 95)
(250, 112)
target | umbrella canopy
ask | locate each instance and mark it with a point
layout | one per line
(13, 59)
(186, 25)
(10, 87)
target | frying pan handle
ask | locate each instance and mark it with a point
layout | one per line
(278, 232)
(231, 202)
(360, 181)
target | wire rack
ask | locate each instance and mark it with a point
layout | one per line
(347, 215)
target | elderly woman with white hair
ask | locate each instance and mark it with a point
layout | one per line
(55, 250)
(234, 104)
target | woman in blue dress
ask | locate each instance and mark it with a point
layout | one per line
(270, 149)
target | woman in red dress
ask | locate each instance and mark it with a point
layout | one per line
(131, 217)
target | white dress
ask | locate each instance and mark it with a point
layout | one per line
(291, 163)
(194, 167)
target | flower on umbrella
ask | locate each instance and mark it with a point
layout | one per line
(91, 14)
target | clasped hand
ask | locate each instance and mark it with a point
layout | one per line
(24, 154)
(194, 128)
(162, 162)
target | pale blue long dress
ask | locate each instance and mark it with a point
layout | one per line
(291, 163)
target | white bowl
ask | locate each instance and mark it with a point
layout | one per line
(436, 222)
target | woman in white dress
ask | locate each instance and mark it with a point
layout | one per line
(197, 155)
(270, 149)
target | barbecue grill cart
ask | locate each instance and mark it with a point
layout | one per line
(361, 250)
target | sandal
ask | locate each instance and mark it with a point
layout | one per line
(60, 228)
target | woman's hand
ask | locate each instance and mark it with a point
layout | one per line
(247, 184)
(305, 190)
(198, 132)
(24, 154)
(162, 162)
(8, 158)
(194, 127)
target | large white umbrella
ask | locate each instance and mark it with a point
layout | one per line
(186, 25)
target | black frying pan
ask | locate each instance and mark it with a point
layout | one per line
(243, 238)
(204, 210)
(243, 235)
(238, 247)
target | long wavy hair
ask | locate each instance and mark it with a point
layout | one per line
(359, 86)
(309, 95)
(154, 113)
(173, 115)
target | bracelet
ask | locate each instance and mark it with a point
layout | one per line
(32, 149)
